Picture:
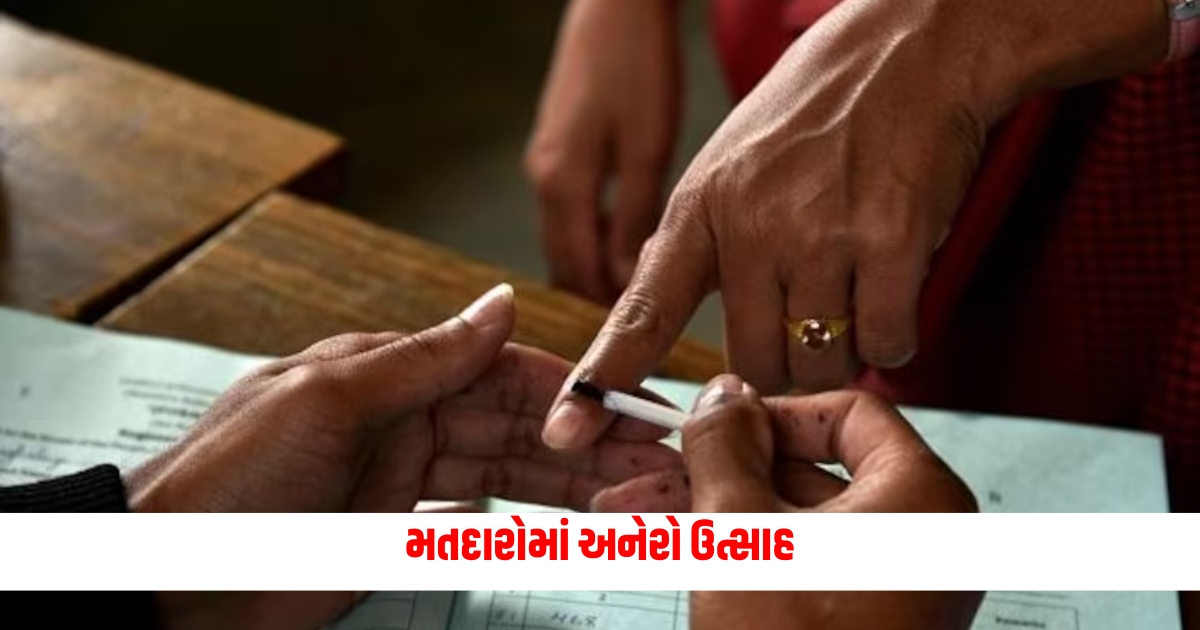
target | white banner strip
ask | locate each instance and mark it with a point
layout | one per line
(794, 551)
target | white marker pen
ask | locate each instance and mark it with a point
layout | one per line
(632, 406)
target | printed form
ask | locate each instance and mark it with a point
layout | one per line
(73, 397)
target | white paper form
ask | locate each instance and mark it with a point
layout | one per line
(72, 397)
(571, 610)
(601, 610)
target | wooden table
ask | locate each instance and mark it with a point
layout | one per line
(110, 171)
(291, 272)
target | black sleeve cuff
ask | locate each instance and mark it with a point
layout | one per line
(96, 489)
(43, 610)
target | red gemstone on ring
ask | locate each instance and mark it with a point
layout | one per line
(815, 334)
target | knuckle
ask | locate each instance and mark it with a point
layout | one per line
(349, 343)
(335, 340)
(552, 175)
(662, 243)
(689, 196)
(267, 371)
(538, 167)
(313, 381)
(637, 315)
(903, 237)
(642, 254)
(885, 241)
(825, 239)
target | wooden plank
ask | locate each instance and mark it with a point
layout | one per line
(110, 170)
(291, 272)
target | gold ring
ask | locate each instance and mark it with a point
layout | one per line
(818, 333)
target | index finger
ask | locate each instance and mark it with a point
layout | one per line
(674, 274)
(525, 381)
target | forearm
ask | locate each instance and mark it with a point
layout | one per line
(1040, 45)
(988, 56)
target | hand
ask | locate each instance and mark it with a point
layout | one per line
(376, 423)
(610, 111)
(743, 454)
(828, 189)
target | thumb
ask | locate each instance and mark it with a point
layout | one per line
(728, 448)
(422, 368)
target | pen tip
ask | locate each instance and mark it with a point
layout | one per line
(584, 388)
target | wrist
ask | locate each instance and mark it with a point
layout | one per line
(1023, 47)
(140, 484)
(161, 486)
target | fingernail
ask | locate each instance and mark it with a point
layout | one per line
(899, 362)
(560, 431)
(719, 391)
(490, 308)
(599, 500)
